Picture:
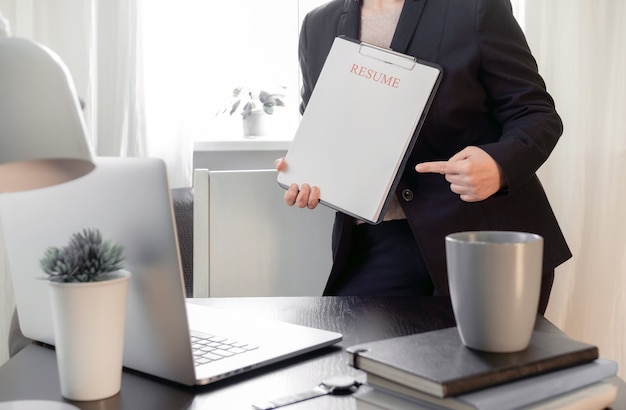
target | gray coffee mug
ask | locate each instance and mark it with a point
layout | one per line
(495, 283)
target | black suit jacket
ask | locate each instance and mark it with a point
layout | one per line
(490, 96)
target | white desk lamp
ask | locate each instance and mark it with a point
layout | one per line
(42, 131)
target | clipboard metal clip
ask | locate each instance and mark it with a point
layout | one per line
(387, 56)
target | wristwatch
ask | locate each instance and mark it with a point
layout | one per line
(336, 385)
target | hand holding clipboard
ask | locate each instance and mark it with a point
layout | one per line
(305, 196)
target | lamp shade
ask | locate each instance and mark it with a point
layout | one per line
(43, 138)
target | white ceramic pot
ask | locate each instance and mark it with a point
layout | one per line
(256, 124)
(89, 323)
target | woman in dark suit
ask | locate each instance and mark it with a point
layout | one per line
(492, 124)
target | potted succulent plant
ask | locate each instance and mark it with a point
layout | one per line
(87, 258)
(88, 293)
(255, 106)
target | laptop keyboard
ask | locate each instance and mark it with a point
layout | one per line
(210, 348)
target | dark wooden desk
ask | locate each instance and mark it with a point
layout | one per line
(32, 374)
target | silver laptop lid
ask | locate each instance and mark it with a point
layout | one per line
(128, 199)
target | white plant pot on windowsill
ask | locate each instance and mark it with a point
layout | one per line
(89, 321)
(259, 124)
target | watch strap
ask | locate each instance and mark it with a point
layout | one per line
(317, 391)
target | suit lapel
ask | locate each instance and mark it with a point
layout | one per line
(410, 17)
(349, 20)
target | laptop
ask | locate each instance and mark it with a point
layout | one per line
(128, 199)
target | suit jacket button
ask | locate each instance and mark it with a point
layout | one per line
(407, 195)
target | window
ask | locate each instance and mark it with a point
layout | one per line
(196, 52)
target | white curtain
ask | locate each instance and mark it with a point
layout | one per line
(99, 42)
(580, 46)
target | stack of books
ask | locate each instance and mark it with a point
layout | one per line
(434, 370)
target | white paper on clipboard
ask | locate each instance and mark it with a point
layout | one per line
(359, 127)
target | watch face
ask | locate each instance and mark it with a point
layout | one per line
(340, 384)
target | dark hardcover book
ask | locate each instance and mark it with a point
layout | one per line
(439, 364)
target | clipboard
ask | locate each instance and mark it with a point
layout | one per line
(359, 127)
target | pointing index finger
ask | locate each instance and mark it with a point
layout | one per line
(436, 167)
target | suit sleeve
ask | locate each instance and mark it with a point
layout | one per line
(517, 94)
(307, 87)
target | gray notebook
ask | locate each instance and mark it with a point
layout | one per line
(359, 126)
(128, 199)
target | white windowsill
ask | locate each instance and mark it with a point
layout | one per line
(243, 144)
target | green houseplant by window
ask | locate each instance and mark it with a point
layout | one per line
(88, 290)
(247, 101)
(257, 107)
